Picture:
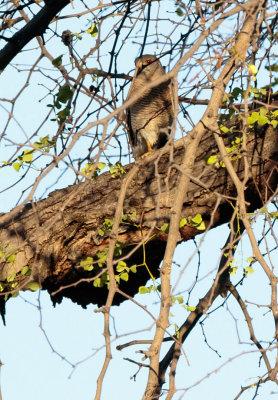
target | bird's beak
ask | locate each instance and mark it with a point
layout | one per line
(138, 69)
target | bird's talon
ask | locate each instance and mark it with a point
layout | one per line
(145, 154)
(150, 150)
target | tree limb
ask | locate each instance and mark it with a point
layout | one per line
(36, 27)
(54, 235)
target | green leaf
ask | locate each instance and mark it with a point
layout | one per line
(124, 217)
(233, 270)
(77, 35)
(250, 259)
(11, 258)
(183, 222)
(262, 120)
(118, 249)
(179, 299)
(263, 91)
(179, 12)
(274, 123)
(144, 289)
(133, 268)
(190, 308)
(101, 165)
(116, 169)
(98, 283)
(225, 99)
(65, 93)
(236, 92)
(253, 118)
(26, 271)
(249, 269)
(197, 219)
(93, 30)
(57, 105)
(87, 170)
(88, 260)
(34, 286)
(2, 287)
(88, 267)
(28, 155)
(274, 215)
(121, 266)
(62, 115)
(273, 67)
(102, 255)
(201, 226)
(124, 276)
(87, 264)
(252, 69)
(230, 149)
(224, 129)
(263, 111)
(57, 61)
(212, 159)
(44, 142)
(108, 224)
(165, 228)
(2, 254)
(177, 332)
(17, 166)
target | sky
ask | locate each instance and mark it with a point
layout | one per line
(40, 344)
(34, 370)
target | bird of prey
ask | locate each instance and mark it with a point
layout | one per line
(151, 116)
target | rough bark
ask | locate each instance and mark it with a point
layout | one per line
(54, 235)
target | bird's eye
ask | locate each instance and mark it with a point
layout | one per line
(149, 61)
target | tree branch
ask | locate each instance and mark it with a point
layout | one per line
(54, 235)
(36, 27)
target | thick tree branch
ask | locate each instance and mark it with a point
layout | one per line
(36, 27)
(54, 235)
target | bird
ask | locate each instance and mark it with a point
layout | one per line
(149, 119)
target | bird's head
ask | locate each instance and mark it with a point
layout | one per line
(149, 65)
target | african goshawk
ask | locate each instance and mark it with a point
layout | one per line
(151, 116)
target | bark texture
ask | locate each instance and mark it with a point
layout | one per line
(54, 235)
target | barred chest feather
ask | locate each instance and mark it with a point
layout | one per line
(151, 115)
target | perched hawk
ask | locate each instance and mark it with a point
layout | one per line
(151, 116)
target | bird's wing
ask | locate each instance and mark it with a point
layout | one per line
(131, 134)
(173, 98)
(132, 90)
(173, 95)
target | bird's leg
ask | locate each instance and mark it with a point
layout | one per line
(150, 149)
